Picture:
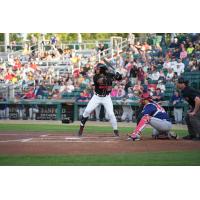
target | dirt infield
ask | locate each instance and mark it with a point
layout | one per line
(34, 143)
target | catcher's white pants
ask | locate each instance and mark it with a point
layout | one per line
(160, 126)
(108, 105)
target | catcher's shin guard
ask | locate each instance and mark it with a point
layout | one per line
(145, 119)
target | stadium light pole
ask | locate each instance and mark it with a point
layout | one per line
(6, 41)
(79, 39)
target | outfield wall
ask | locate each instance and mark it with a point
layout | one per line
(62, 109)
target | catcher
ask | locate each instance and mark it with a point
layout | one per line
(156, 116)
(102, 88)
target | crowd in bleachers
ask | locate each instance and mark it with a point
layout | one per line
(144, 66)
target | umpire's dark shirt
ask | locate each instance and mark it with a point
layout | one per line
(189, 95)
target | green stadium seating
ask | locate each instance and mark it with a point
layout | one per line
(168, 95)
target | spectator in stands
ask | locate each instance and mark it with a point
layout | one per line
(177, 102)
(183, 54)
(114, 91)
(170, 75)
(193, 65)
(179, 68)
(176, 53)
(69, 87)
(154, 75)
(167, 64)
(53, 40)
(190, 49)
(41, 91)
(55, 94)
(174, 43)
(133, 73)
(161, 85)
(137, 89)
(127, 84)
(83, 97)
(62, 87)
(30, 94)
(157, 95)
(56, 86)
(101, 49)
(173, 62)
(121, 92)
(140, 76)
(122, 71)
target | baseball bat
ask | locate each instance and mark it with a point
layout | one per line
(108, 64)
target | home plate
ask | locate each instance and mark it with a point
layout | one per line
(26, 140)
(72, 138)
(43, 135)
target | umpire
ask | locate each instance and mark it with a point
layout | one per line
(192, 96)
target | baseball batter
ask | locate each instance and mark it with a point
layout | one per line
(156, 116)
(102, 88)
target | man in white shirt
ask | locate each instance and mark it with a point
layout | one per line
(166, 64)
(173, 63)
(179, 68)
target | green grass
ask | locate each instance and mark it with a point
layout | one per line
(191, 158)
(71, 128)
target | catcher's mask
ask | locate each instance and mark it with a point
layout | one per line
(145, 98)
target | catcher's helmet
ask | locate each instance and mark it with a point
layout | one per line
(146, 96)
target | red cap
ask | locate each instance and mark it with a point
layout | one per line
(146, 96)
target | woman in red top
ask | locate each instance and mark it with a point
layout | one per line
(140, 76)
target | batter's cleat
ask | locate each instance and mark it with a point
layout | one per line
(116, 133)
(80, 132)
(134, 137)
(172, 135)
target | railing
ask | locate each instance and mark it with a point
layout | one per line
(110, 52)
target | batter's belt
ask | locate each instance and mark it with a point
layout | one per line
(100, 95)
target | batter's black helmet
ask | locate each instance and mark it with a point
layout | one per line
(102, 66)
